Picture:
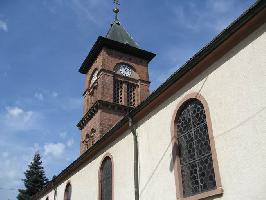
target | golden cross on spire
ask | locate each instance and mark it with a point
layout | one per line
(116, 9)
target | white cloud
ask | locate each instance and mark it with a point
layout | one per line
(3, 26)
(54, 149)
(14, 111)
(17, 119)
(18, 114)
(38, 96)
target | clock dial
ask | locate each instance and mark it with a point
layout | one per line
(125, 70)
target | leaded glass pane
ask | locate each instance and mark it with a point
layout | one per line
(195, 151)
(106, 180)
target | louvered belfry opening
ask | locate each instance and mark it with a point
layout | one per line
(106, 179)
(131, 94)
(118, 91)
(194, 148)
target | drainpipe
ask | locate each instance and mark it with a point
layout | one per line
(136, 158)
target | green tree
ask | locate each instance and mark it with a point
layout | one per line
(35, 179)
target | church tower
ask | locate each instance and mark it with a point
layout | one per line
(117, 80)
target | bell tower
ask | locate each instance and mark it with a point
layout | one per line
(117, 80)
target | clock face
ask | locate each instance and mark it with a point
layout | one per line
(125, 70)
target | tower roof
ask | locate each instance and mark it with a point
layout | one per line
(119, 34)
(117, 38)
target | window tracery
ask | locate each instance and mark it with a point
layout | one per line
(195, 154)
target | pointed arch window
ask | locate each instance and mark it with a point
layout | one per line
(196, 163)
(68, 190)
(106, 179)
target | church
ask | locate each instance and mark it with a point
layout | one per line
(200, 135)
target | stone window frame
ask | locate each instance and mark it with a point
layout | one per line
(176, 160)
(68, 185)
(106, 156)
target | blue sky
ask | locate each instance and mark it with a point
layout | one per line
(43, 43)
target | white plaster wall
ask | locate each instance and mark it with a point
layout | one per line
(85, 182)
(234, 88)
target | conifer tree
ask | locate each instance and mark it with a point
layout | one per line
(35, 179)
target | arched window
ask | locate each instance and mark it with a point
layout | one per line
(196, 163)
(67, 195)
(47, 198)
(106, 179)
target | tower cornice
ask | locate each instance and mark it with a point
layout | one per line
(100, 105)
(111, 44)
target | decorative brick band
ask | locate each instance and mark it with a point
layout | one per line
(100, 105)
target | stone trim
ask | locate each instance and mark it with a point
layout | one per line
(177, 171)
(100, 105)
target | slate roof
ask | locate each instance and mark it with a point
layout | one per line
(119, 34)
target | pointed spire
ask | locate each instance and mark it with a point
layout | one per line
(117, 31)
(116, 9)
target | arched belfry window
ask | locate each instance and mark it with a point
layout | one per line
(106, 179)
(68, 190)
(196, 163)
(125, 85)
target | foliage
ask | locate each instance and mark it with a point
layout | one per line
(35, 179)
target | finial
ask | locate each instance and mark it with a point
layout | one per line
(116, 9)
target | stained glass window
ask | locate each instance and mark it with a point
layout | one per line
(106, 179)
(195, 151)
